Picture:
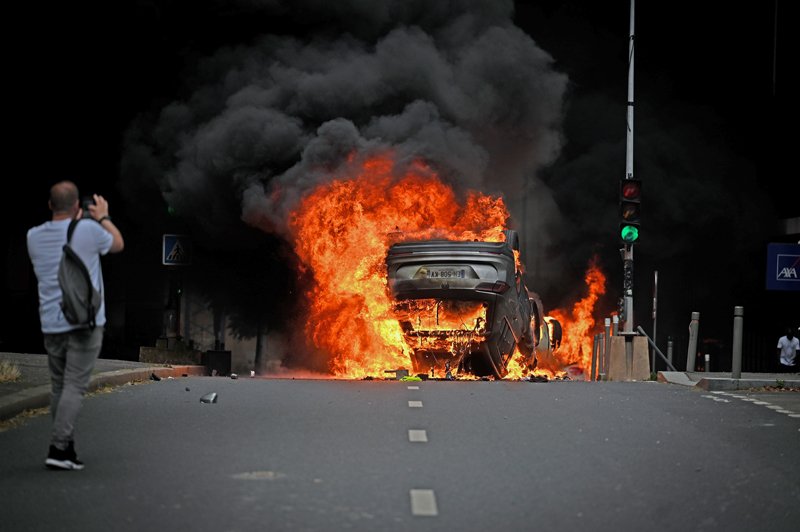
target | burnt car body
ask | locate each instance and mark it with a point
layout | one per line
(463, 306)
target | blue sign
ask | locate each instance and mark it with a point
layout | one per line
(783, 267)
(176, 250)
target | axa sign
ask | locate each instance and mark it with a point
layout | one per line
(788, 273)
(783, 267)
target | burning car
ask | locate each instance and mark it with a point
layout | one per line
(463, 306)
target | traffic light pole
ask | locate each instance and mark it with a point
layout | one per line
(627, 251)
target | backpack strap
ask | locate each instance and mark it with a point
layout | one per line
(71, 229)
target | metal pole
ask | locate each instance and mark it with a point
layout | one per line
(627, 258)
(629, 139)
(656, 349)
(655, 314)
(738, 321)
(708, 363)
(694, 326)
(595, 347)
(615, 325)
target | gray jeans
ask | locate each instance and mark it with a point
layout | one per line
(71, 357)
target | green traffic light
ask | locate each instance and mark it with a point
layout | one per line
(629, 233)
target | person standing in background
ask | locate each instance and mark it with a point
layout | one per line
(788, 346)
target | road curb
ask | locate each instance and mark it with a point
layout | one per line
(725, 383)
(39, 396)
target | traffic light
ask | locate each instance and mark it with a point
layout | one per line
(630, 209)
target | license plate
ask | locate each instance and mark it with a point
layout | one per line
(447, 273)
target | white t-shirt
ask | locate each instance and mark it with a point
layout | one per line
(45, 243)
(788, 350)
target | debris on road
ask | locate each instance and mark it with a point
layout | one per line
(154, 377)
(399, 373)
(209, 398)
(234, 376)
(535, 378)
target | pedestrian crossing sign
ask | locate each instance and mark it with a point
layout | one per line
(176, 250)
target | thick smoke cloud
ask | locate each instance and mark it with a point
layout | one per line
(260, 125)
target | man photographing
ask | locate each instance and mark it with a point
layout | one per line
(72, 350)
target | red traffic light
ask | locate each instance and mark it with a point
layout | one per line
(631, 189)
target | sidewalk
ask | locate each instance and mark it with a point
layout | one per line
(721, 381)
(32, 390)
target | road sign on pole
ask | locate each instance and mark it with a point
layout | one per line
(176, 250)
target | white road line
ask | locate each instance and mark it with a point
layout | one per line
(415, 404)
(718, 399)
(417, 435)
(413, 387)
(423, 503)
(776, 408)
(720, 393)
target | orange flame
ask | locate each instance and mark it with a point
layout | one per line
(574, 357)
(578, 326)
(342, 231)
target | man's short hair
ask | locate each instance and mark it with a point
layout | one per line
(63, 196)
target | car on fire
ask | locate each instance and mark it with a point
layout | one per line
(463, 307)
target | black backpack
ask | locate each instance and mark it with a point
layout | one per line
(80, 301)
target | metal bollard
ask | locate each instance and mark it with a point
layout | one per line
(694, 326)
(601, 356)
(736, 363)
(607, 344)
(594, 357)
(708, 363)
(615, 328)
(669, 349)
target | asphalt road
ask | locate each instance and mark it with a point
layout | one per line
(379, 455)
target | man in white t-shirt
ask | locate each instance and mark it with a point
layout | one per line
(787, 351)
(72, 350)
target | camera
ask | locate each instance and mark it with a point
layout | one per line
(85, 202)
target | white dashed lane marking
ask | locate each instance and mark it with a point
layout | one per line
(774, 408)
(718, 399)
(417, 435)
(423, 503)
